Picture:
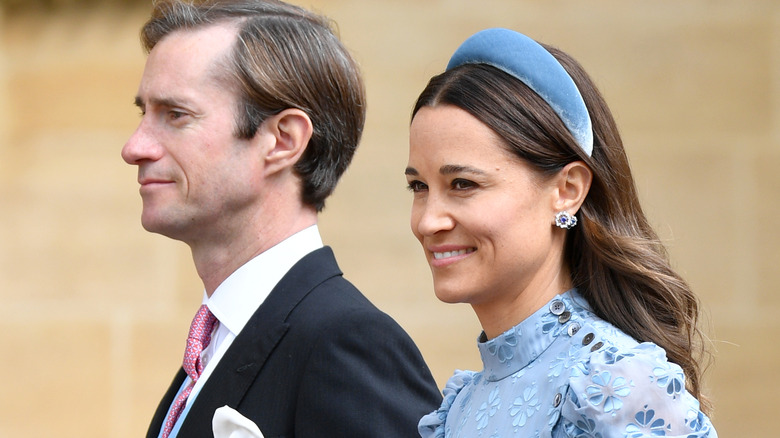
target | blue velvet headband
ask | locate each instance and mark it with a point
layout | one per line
(526, 60)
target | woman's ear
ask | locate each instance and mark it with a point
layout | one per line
(290, 131)
(572, 184)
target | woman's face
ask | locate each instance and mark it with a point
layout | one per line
(482, 215)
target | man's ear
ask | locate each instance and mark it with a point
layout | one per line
(572, 185)
(290, 131)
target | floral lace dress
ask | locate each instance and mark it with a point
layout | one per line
(563, 372)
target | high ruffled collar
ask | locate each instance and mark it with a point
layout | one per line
(514, 349)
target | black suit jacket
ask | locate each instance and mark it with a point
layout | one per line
(317, 359)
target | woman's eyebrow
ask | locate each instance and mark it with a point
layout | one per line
(448, 169)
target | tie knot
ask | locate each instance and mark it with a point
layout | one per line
(197, 340)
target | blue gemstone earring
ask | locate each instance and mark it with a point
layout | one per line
(565, 220)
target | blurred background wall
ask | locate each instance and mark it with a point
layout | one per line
(94, 311)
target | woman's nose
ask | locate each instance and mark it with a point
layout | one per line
(431, 217)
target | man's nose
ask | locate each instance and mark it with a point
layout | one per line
(141, 146)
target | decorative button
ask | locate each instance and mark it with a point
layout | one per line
(588, 339)
(564, 317)
(557, 400)
(596, 346)
(557, 307)
(573, 329)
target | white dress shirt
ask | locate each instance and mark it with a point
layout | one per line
(238, 297)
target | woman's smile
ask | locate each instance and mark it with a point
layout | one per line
(448, 254)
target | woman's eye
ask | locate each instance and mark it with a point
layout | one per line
(462, 184)
(417, 186)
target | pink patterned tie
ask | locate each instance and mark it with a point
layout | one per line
(197, 340)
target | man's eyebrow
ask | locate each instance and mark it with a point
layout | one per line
(158, 101)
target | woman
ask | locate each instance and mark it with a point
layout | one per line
(525, 207)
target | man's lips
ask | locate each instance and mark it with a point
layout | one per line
(150, 181)
(151, 185)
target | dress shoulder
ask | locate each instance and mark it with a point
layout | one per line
(432, 425)
(630, 389)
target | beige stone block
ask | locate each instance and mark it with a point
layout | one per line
(764, 225)
(72, 69)
(57, 378)
(83, 96)
(742, 380)
(683, 75)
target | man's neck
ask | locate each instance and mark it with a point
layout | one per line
(217, 261)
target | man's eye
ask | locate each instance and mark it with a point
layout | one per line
(175, 115)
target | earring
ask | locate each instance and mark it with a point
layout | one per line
(565, 220)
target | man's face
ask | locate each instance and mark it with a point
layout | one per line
(198, 181)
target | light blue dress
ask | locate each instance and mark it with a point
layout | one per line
(564, 372)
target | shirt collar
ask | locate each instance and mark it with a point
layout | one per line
(238, 297)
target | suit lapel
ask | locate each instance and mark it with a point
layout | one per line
(242, 362)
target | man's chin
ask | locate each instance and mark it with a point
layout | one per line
(157, 226)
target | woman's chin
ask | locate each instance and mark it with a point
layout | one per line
(448, 296)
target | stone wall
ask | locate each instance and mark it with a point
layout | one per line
(95, 311)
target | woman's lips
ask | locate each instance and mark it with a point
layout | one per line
(442, 256)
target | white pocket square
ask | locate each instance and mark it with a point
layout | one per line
(228, 423)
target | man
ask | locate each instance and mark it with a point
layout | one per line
(252, 110)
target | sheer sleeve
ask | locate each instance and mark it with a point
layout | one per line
(432, 425)
(637, 393)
